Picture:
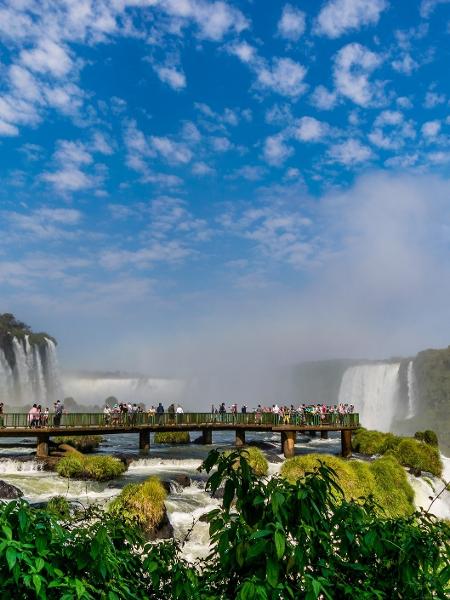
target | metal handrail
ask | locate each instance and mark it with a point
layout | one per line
(86, 420)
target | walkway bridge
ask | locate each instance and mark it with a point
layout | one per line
(18, 425)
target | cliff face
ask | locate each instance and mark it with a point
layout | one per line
(10, 329)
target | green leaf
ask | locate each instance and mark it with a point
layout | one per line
(40, 564)
(11, 557)
(272, 573)
(37, 582)
(280, 543)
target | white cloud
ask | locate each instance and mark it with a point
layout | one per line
(433, 99)
(201, 169)
(284, 76)
(220, 143)
(309, 129)
(244, 51)
(353, 66)
(174, 78)
(391, 130)
(6, 129)
(249, 172)
(427, 7)
(291, 25)
(430, 129)
(45, 223)
(338, 17)
(350, 152)
(323, 98)
(173, 152)
(276, 151)
(47, 57)
(405, 64)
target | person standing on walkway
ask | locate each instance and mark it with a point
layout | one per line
(58, 413)
(160, 413)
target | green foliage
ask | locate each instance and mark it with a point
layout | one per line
(271, 540)
(172, 437)
(141, 504)
(384, 479)
(428, 436)
(70, 466)
(99, 468)
(96, 558)
(278, 540)
(255, 458)
(418, 455)
(59, 507)
(409, 452)
(84, 443)
(373, 442)
(10, 326)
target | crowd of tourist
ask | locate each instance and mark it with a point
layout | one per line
(40, 418)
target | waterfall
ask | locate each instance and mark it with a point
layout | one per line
(6, 379)
(31, 374)
(412, 390)
(373, 390)
(54, 389)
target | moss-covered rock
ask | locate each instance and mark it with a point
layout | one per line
(83, 443)
(428, 436)
(141, 505)
(418, 455)
(255, 458)
(384, 479)
(98, 468)
(409, 452)
(172, 437)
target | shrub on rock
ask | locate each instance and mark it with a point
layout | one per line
(172, 437)
(59, 507)
(98, 468)
(84, 443)
(428, 436)
(255, 458)
(142, 505)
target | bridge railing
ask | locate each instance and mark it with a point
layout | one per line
(87, 420)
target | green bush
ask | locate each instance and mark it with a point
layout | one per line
(99, 468)
(83, 443)
(141, 504)
(408, 451)
(428, 436)
(71, 467)
(172, 437)
(418, 455)
(59, 507)
(384, 479)
(374, 442)
(255, 458)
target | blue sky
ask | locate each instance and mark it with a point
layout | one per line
(197, 177)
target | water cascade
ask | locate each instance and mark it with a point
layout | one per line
(412, 390)
(373, 390)
(29, 372)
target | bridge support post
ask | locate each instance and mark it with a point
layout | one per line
(240, 437)
(144, 441)
(288, 439)
(324, 435)
(346, 443)
(42, 445)
(207, 436)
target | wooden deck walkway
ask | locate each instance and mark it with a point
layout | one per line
(17, 425)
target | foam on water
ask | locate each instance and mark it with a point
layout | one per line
(11, 466)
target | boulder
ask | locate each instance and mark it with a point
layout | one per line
(163, 531)
(9, 492)
(183, 480)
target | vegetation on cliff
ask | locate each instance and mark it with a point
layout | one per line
(98, 468)
(409, 452)
(172, 437)
(384, 479)
(10, 327)
(141, 504)
(271, 539)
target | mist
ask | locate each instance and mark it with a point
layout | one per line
(376, 287)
